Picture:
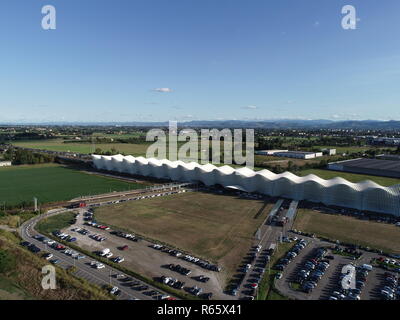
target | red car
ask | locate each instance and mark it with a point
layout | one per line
(123, 248)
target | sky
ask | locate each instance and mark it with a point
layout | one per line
(158, 60)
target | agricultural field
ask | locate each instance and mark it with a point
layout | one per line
(52, 183)
(349, 229)
(134, 149)
(59, 145)
(352, 177)
(217, 227)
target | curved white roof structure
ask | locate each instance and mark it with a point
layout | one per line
(366, 195)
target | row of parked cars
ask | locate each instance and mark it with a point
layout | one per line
(82, 231)
(389, 264)
(251, 264)
(202, 263)
(96, 225)
(178, 268)
(64, 236)
(390, 289)
(31, 247)
(127, 236)
(172, 282)
(291, 254)
(312, 270)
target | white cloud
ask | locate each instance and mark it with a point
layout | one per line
(162, 90)
(251, 107)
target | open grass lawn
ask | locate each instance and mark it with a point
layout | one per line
(51, 183)
(217, 227)
(352, 177)
(348, 229)
(57, 222)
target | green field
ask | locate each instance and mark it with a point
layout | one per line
(57, 222)
(59, 145)
(51, 183)
(348, 229)
(133, 149)
(352, 177)
(217, 227)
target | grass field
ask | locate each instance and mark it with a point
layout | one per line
(348, 229)
(216, 227)
(59, 145)
(352, 177)
(136, 150)
(56, 222)
(51, 183)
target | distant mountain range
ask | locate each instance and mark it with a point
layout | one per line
(261, 124)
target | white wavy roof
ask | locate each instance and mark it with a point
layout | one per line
(366, 194)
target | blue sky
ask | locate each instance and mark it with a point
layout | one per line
(221, 59)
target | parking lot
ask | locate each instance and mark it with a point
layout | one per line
(141, 257)
(328, 285)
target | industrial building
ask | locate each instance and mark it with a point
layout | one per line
(268, 152)
(376, 167)
(365, 195)
(329, 152)
(298, 154)
(290, 154)
(384, 141)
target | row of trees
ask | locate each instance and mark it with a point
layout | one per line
(20, 156)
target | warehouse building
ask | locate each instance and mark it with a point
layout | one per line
(298, 154)
(290, 154)
(376, 167)
(268, 152)
(365, 195)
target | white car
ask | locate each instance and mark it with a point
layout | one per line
(49, 256)
(108, 255)
(114, 290)
(100, 266)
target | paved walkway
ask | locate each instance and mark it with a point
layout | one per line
(7, 228)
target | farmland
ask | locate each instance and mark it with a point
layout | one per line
(348, 229)
(216, 227)
(352, 177)
(59, 145)
(52, 183)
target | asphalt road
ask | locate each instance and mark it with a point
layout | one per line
(99, 277)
